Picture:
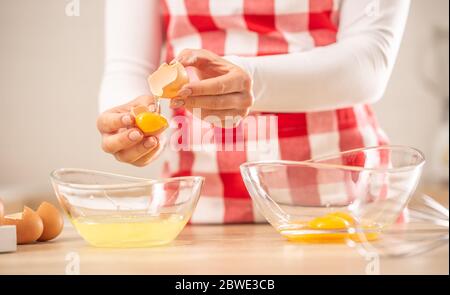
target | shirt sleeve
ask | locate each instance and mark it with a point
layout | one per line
(354, 70)
(133, 39)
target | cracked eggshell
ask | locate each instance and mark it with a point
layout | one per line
(168, 79)
(52, 220)
(29, 225)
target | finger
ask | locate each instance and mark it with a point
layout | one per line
(146, 100)
(143, 100)
(191, 57)
(137, 151)
(123, 140)
(214, 116)
(111, 122)
(226, 124)
(187, 61)
(214, 102)
(149, 157)
(228, 83)
(231, 122)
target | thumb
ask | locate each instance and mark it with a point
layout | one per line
(193, 58)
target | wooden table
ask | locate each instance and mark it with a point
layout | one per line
(235, 249)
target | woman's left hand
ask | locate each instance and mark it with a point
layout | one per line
(223, 93)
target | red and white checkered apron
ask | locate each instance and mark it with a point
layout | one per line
(254, 28)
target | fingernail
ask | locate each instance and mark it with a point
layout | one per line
(150, 142)
(126, 120)
(173, 61)
(134, 135)
(191, 60)
(185, 92)
(176, 103)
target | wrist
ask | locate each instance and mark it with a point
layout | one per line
(242, 63)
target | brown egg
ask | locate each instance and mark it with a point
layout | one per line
(29, 226)
(52, 219)
(168, 79)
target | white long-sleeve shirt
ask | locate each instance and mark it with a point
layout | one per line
(354, 70)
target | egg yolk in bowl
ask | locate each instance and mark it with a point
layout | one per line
(330, 228)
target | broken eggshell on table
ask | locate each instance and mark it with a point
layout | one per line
(30, 226)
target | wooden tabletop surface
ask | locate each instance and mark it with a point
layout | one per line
(236, 249)
(231, 249)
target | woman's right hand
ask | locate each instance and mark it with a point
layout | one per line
(122, 139)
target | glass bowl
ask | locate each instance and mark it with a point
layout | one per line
(424, 229)
(337, 197)
(110, 210)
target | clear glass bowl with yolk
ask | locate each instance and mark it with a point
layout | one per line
(353, 196)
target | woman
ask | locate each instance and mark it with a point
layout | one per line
(316, 65)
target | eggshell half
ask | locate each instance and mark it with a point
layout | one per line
(167, 80)
(52, 220)
(29, 225)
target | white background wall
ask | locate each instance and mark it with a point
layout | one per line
(51, 66)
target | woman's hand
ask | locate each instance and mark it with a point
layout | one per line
(224, 89)
(121, 138)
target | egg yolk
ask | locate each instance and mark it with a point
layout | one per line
(331, 221)
(328, 222)
(343, 215)
(151, 123)
(336, 220)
